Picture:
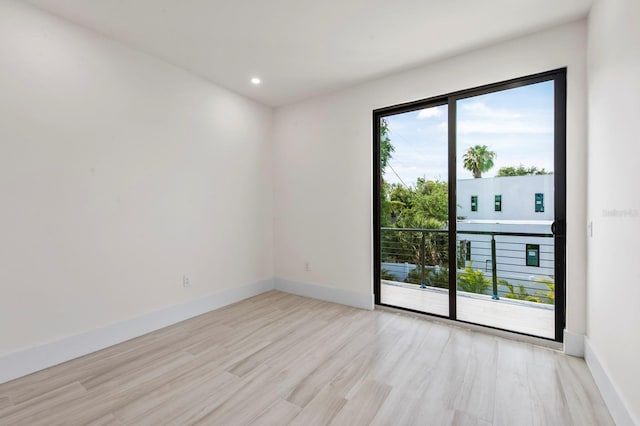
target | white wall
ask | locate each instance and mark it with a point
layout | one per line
(323, 161)
(119, 174)
(518, 198)
(613, 316)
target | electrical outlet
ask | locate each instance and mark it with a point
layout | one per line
(185, 281)
(307, 266)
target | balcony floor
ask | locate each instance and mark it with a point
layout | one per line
(536, 319)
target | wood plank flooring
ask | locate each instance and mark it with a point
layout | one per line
(279, 359)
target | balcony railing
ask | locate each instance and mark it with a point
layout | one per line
(514, 265)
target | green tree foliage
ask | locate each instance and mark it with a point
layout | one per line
(386, 153)
(387, 275)
(407, 246)
(433, 277)
(478, 159)
(439, 277)
(473, 281)
(422, 206)
(386, 148)
(521, 171)
(413, 277)
(519, 294)
(550, 295)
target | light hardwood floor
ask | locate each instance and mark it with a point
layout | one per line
(279, 359)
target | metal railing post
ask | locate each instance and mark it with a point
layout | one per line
(423, 248)
(494, 269)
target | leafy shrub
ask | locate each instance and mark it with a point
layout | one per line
(413, 277)
(433, 277)
(549, 295)
(473, 281)
(520, 294)
(385, 274)
(439, 277)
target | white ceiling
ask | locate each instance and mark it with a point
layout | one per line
(302, 48)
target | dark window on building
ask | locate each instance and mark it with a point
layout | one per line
(539, 203)
(498, 203)
(474, 203)
(533, 255)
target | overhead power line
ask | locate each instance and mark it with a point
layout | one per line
(397, 175)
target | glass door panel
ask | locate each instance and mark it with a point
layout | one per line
(414, 267)
(505, 209)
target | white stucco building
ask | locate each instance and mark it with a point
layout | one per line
(499, 205)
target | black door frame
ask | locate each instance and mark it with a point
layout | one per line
(559, 76)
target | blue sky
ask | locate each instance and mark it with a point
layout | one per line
(517, 124)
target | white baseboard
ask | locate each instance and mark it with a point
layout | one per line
(329, 294)
(21, 363)
(618, 407)
(30, 360)
(573, 344)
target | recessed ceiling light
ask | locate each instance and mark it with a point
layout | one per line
(255, 80)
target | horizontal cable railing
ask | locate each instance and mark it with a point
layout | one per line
(513, 265)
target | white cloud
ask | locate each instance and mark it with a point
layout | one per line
(481, 110)
(501, 127)
(430, 113)
(477, 117)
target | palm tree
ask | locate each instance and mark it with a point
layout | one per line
(478, 159)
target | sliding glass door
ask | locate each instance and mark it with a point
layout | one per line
(470, 195)
(505, 209)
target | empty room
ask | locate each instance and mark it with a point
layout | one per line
(310, 213)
